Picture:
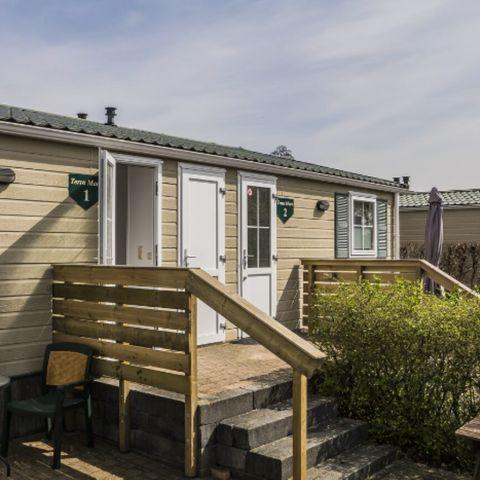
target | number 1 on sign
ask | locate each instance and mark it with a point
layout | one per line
(86, 196)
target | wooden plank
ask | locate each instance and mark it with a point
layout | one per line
(294, 350)
(120, 313)
(122, 275)
(299, 430)
(142, 337)
(127, 295)
(124, 431)
(173, 382)
(470, 431)
(445, 280)
(356, 263)
(191, 400)
(176, 361)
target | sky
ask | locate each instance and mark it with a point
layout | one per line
(381, 87)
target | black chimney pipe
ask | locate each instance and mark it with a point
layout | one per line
(82, 115)
(110, 112)
(406, 181)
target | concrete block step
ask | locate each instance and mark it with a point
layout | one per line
(265, 425)
(355, 464)
(274, 461)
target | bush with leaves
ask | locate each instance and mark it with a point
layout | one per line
(405, 361)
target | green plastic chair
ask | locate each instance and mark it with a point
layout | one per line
(66, 386)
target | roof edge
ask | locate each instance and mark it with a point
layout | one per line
(130, 146)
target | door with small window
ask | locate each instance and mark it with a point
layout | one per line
(257, 242)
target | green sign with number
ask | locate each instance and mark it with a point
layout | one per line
(285, 208)
(83, 189)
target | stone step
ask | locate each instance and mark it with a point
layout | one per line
(355, 464)
(265, 425)
(274, 461)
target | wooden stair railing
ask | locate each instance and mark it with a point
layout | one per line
(300, 354)
(142, 321)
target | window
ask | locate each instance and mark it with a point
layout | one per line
(363, 225)
(258, 224)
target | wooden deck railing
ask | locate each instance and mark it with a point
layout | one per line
(325, 275)
(142, 323)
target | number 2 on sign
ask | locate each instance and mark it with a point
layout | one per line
(86, 196)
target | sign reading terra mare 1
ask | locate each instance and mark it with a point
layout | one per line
(285, 208)
(83, 189)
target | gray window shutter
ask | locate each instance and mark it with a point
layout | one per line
(341, 225)
(382, 234)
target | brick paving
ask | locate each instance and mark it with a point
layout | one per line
(239, 365)
(31, 460)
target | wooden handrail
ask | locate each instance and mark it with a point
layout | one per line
(445, 280)
(300, 354)
(421, 268)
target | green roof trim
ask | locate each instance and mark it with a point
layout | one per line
(72, 124)
(451, 198)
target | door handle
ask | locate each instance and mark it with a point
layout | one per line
(186, 257)
(245, 258)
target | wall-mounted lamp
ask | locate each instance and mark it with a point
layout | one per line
(323, 205)
(7, 175)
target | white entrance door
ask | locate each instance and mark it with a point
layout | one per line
(257, 241)
(202, 235)
(107, 208)
(130, 214)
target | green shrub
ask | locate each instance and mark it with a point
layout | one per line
(407, 362)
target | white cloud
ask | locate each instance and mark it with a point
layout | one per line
(379, 86)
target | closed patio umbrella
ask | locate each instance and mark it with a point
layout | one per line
(434, 234)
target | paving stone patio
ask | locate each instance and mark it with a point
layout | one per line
(240, 365)
(31, 460)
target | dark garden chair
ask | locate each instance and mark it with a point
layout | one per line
(66, 386)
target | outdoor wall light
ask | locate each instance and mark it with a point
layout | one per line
(7, 175)
(323, 205)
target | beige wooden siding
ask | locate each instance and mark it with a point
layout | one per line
(39, 225)
(459, 225)
(309, 233)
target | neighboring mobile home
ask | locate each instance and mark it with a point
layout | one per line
(461, 216)
(245, 217)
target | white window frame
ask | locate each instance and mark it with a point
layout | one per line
(362, 197)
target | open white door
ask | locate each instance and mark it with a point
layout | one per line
(107, 208)
(202, 235)
(130, 211)
(258, 241)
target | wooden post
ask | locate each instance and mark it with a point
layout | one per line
(299, 426)
(123, 412)
(191, 400)
(124, 415)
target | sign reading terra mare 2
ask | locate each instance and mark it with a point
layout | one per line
(285, 208)
(83, 189)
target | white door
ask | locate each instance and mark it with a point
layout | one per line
(130, 213)
(107, 208)
(141, 216)
(202, 235)
(257, 241)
